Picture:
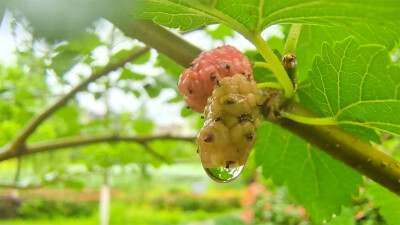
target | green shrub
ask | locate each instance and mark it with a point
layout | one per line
(189, 202)
(40, 208)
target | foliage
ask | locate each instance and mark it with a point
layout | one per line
(314, 178)
(348, 70)
(188, 202)
(49, 209)
(388, 202)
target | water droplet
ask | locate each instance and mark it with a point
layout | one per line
(222, 174)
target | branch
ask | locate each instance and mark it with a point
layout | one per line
(78, 141)
(339, 144)
(347, 148)
(155, 154)
(19, 141)
(18, 185)
(157, 37)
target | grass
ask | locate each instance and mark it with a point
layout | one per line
(64, 221)
(127, 213)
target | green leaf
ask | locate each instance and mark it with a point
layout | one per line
(177, 98)
(143, 126)
(220, 32)
(122, 53)
(389, 203)
(353, 84)
(345, 218)
(247, 16)
(260, 74)
(127, 74)
(365, 134)
(84, 43)
(74, 184)
(185, 112)
(315, 180)
(142, 58)
(152, 90)
(64, 61)
(312, 37)
(170, 66)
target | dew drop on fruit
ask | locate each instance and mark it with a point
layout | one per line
(222, 174)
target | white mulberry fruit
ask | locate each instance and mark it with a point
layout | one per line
(231, 120)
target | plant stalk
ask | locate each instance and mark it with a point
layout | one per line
(291, 41)
(347, 148)
(274, 65)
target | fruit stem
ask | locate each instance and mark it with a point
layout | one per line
(262, 64)
(274, 64)
(270, 85)
(291, 41)
(309, 120)
(349, 149)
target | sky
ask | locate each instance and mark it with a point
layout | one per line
(6, 41)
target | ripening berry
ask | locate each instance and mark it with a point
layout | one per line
(198, 82)
(231, 120)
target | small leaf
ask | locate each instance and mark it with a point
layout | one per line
(64, 61)
(261, 74)
(139, 60)
(364, 133)
(277, 44)
(127, 74)
(170, 66)
(84, 43)
(177, 98)
(220, 32)
(345, 218)
(185, 112)
(74, 184)
(142, 58)
(388, 202)
(152, 90)
(136, 93)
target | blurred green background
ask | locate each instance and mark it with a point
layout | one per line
(44, 55)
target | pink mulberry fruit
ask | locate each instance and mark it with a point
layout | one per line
(198, 82)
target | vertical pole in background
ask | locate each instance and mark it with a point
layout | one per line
(105, 200)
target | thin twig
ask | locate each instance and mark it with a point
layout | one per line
(154, 153)
(18, 185)
(19, 142)
(63, 143)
